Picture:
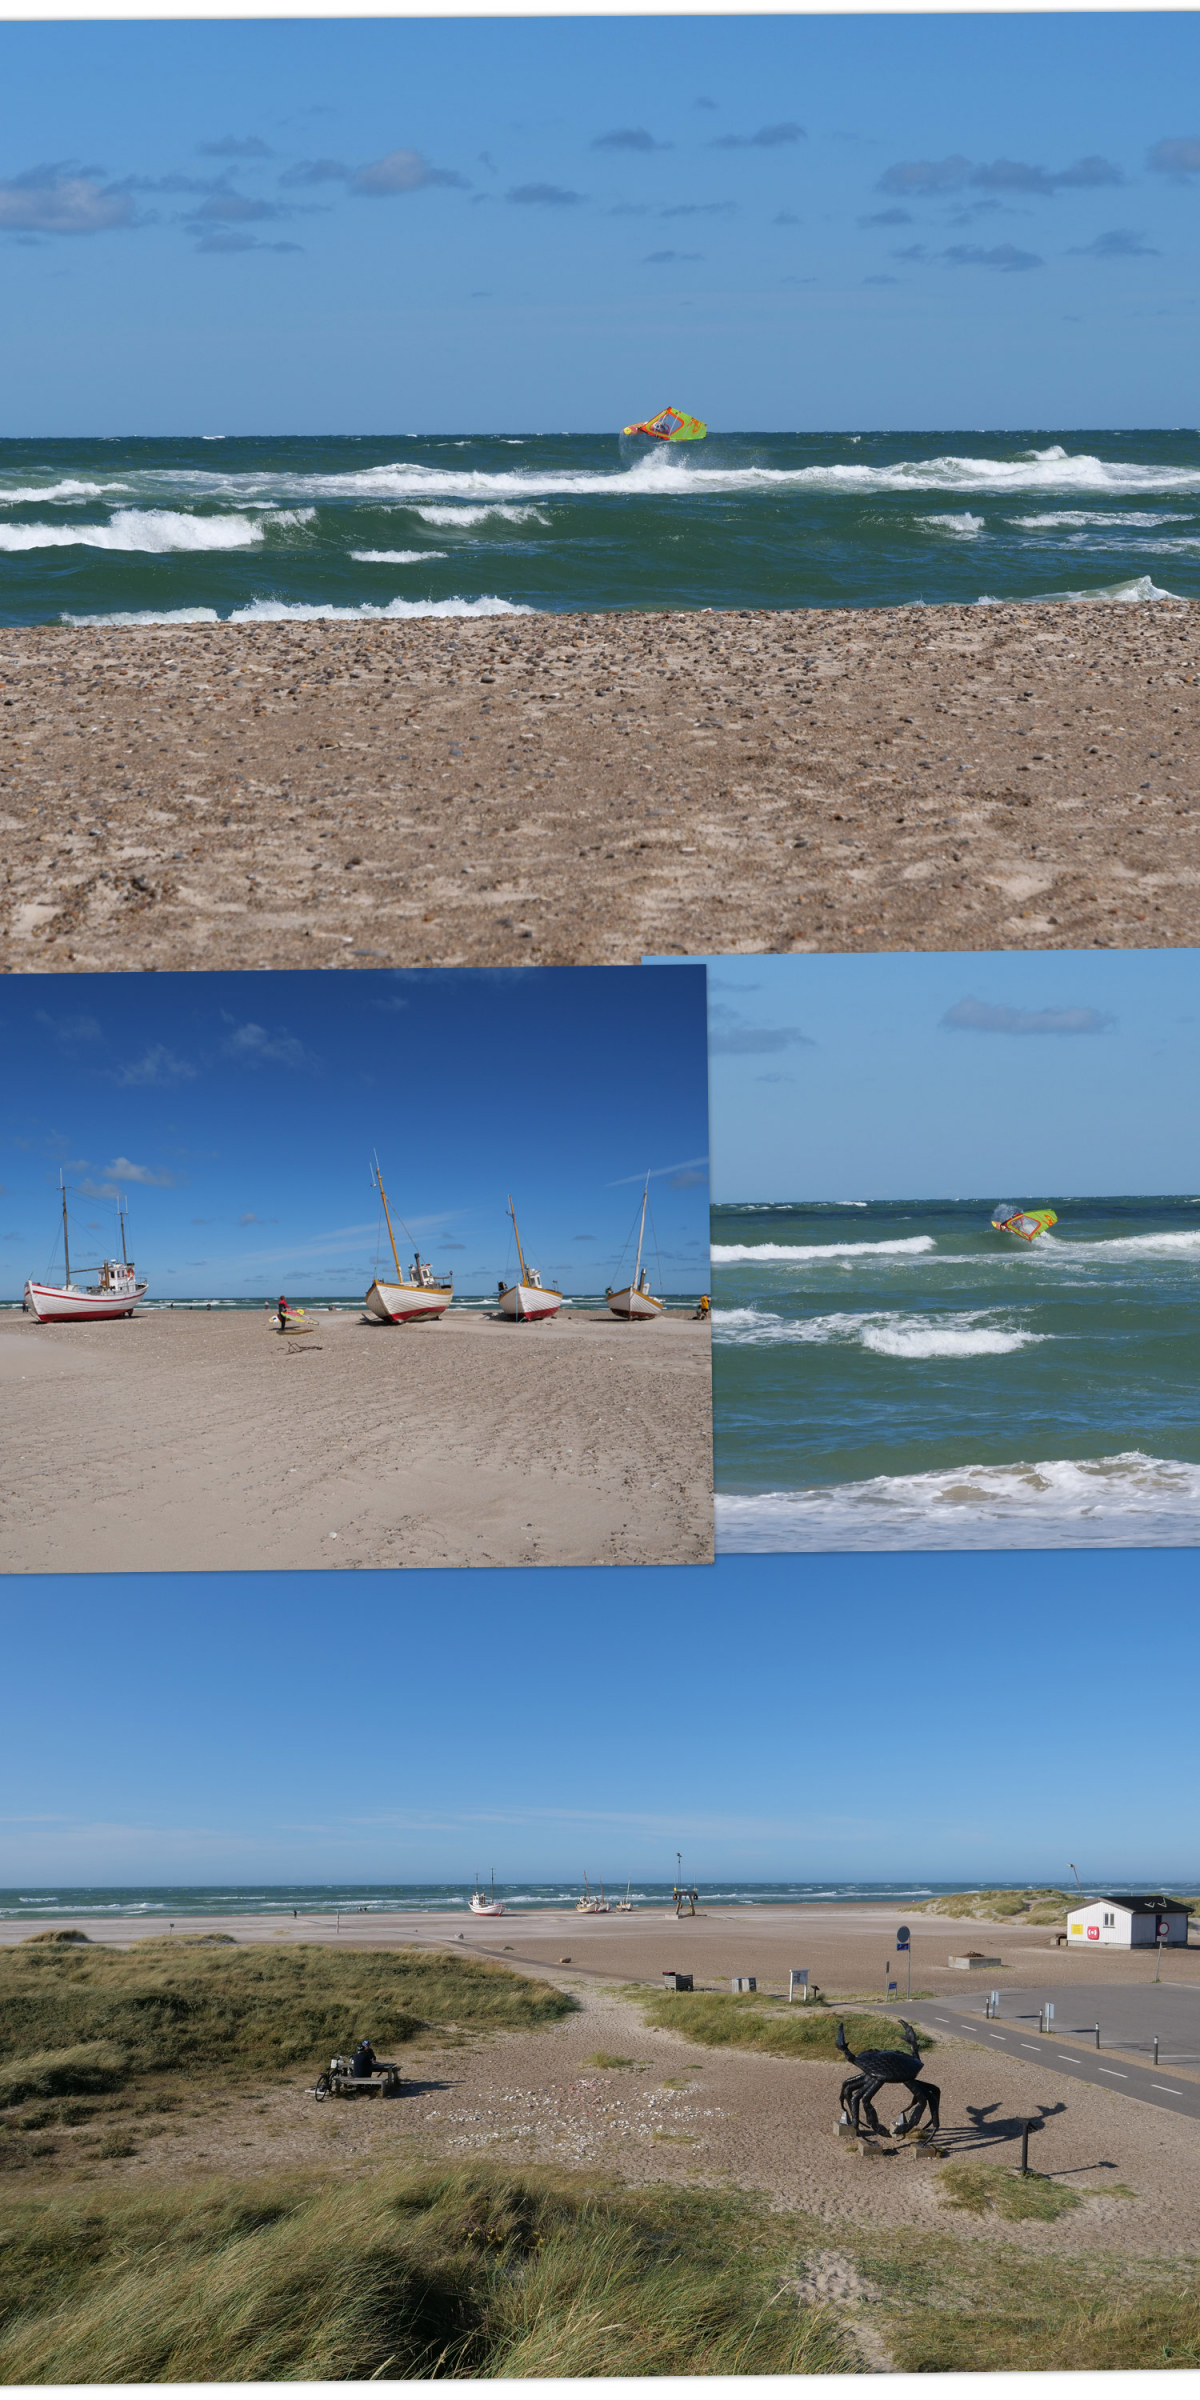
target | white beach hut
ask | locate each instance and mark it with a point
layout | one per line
(1128, 1921)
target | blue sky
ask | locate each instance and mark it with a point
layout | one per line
(239, 1112)
(947, 1074)
(547, 225)
(158, 1761)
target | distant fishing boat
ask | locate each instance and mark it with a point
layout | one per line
(590, 1906)
(635, 1301)
(625, 1906)
(483, 1905)
(116, 1294)
(528, 1301)
(411, 1298)
(1025, 1223)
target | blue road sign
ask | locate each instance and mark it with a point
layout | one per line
(902, 1937)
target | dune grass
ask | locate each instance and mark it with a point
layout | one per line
(85, 2020)
(982, 2188)
(447, 2273)
(721, 2020)
(1041, 1904)
(947, 2306)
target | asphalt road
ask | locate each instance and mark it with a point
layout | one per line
(1130, 2016)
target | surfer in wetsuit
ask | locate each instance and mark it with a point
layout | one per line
(283, 1313)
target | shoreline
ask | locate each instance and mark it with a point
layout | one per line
(481, 792)
(201, 1440)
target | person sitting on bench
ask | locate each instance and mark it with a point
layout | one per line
(363, 2061)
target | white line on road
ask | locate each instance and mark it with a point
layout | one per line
(1074, 2062)
(1167, 2087)
(1115, 2071)
(1029, 2045)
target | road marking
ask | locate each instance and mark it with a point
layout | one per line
(1167, 2087)
(1074, 2062)
(1115, 2071)
(941, 2020)
(1029, 2045)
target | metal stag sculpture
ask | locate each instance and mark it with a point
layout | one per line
(877, 2067)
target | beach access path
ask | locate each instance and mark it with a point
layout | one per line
(198, 1438)
(678, 2112)
(598, 788)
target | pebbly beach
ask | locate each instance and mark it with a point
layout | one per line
(570, 788)
(201, 1439)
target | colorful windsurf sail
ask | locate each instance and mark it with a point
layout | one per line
(1026, 1223)
(670, 425)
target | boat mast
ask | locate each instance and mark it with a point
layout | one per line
(520, 1253)
(66, 1251)
(121, 1215)
(641, 1231)
(391, 1235)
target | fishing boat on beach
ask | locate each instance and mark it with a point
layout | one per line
(528, 1301)
(635, 1301)
(483, 1904)
(414, 1297)
(590, 1906)
(116, 1293)
(625, 1906)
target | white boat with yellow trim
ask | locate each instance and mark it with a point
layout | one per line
(528, 1301)
(115, 1293)
(412, 1298)
(635, 1301)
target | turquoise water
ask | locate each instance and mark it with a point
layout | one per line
(396, 526)
(160, 1903)
(894, 1375)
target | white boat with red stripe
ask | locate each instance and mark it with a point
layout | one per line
(635, 1301)
(116, 1292)
(414, 1298)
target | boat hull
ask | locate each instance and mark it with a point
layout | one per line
(61, 1304)
(528, 1304)
(486, 1908)
(636, 1307)
(407, 1303)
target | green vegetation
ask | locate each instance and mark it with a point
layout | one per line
(981, 2187)
(74, 2021)
(1038, 1905)
(439, 2273)
(948, 2306)
(743, 2021)
(608, 2058)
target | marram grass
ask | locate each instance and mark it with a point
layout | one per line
(465, 2272)
(721, 2020)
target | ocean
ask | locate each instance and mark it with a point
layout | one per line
(892, 1375)
(187, 531)
(163, 1902)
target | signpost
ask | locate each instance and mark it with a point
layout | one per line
(903, 1943)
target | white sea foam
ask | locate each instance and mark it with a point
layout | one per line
(962, 525)
(729, 1254)
(453, 517)
(888, 1332)
(1053, 1251)
(273, 612)
(1100, 1503)
(1051, 471)
(1082, 517)
(397, 558)
(36, 495)
(144, 529)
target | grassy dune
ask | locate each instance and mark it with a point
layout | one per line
(86, 2019)
(742, 2021)
(439, 2273)
(1040, 1905)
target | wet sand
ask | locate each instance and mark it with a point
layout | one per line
(685, 2114)
(599, 787)
(200, 1439)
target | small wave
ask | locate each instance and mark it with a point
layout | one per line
(36, 495)
(1080, 517)
(1054, 1251)
(145, 529)
(889, 1333)
(274, 612)
(729, 1254)
(963, 526)
(397, 558)
(1100, 1503)
(146, 616)
(1138, 590)
(452, 517)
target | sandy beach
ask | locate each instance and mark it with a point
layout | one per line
(200, 1439)
(681, 2112)
(599, 787)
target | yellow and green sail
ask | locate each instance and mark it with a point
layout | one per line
(1026, 1223)
(670, 425)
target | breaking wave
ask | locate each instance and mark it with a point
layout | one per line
(153, 529)
(1100, 1503)
(729, 1254)
(889, 1333)
(275, 612)
(451, 517)
(397, 558)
